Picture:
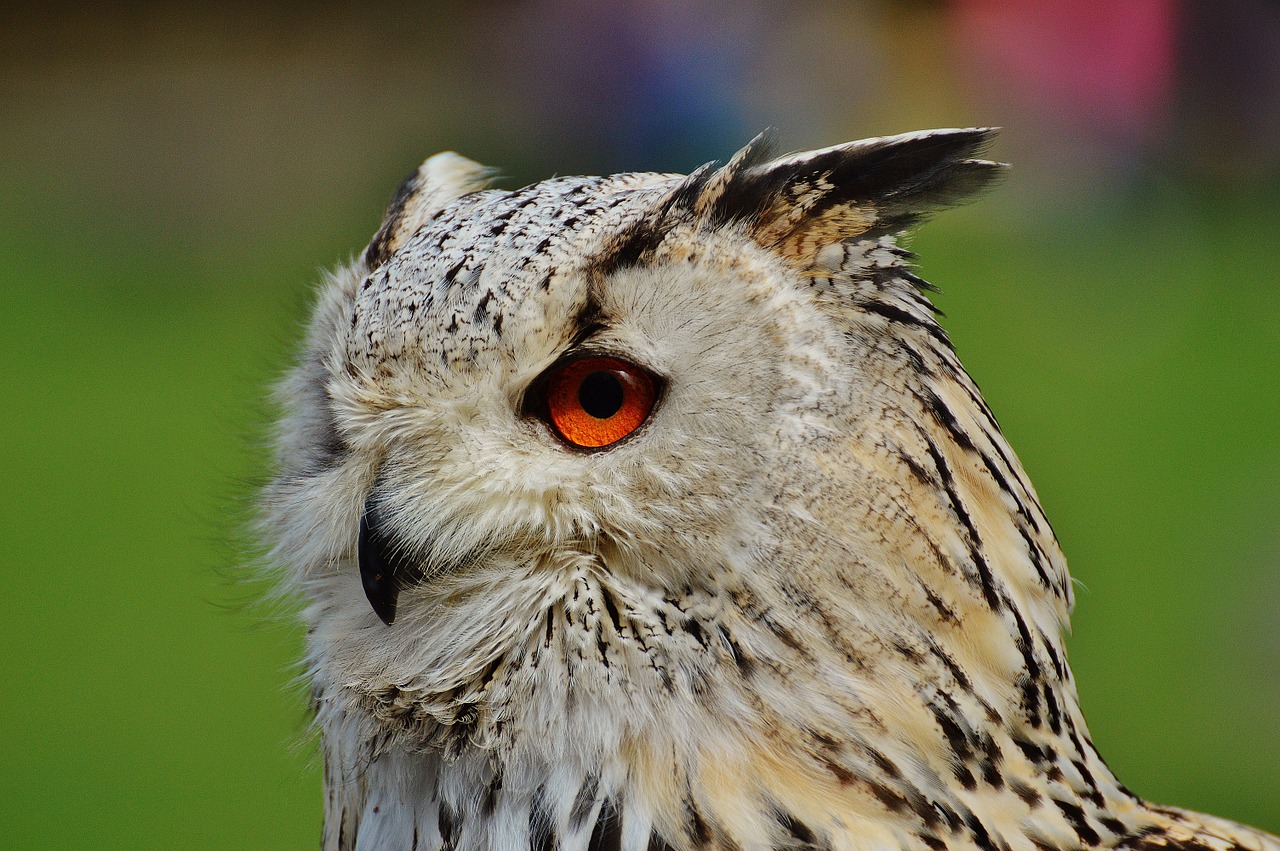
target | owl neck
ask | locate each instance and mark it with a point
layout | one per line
(708, 720)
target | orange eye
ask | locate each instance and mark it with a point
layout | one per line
(597, 401)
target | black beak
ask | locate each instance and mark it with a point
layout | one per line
(380, 567)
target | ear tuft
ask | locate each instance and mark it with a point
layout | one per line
(718, 188)
(799, 203)
(439, 180)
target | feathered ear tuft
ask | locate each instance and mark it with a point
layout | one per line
(424, 193)
(718, 190)
(799, 203)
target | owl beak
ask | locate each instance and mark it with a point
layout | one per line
(378, 571)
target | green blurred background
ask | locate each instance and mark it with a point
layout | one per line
(172, 180)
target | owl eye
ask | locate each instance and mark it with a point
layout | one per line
(593, 402)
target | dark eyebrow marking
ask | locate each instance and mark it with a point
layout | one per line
(589, 322)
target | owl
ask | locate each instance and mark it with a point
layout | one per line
(655, 512)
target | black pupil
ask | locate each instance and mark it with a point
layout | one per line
(600, 395)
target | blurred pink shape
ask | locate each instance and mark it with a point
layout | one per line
(1108, 65)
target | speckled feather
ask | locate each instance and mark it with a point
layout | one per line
(813, 602)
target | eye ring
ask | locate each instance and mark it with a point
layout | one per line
(593, 402)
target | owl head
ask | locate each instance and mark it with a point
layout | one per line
(723, 389)
(656, 511)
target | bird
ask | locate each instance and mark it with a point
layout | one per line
(656, 512)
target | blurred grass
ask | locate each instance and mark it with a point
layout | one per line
(1130, 351)
(145, 706)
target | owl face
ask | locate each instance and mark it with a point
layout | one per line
(463, 359)
(675, 392)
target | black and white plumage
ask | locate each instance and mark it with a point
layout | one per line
(657, 512)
